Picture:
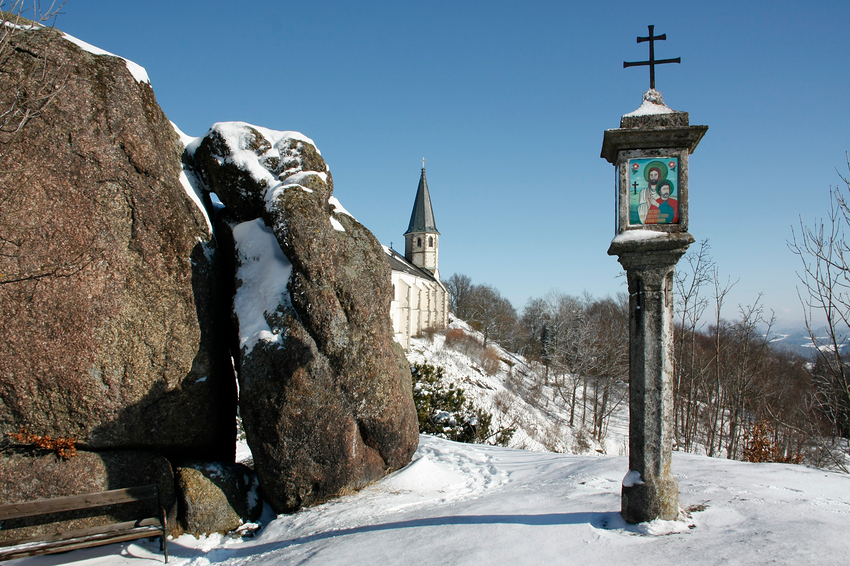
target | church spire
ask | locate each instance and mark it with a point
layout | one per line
(422, 217)
(422, 239)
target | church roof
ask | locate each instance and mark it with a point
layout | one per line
(422, 217)
(398, 263)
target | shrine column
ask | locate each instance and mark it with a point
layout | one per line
(650, 151)
(649, 489)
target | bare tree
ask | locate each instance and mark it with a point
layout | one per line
(688, 370)
(824, 252)
(609, 363)
(714, 396)
(747, 360)
(585, 343)
(566, 345)
(459, 287)
(731, 378)
(493, 313)
(535, 323)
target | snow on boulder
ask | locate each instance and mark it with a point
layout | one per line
(325, 393)
(263, 276)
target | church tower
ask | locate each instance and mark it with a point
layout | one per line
(422, 240)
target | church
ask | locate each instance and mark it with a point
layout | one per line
(420, 300)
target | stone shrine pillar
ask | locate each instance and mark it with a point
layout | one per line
(650, 151)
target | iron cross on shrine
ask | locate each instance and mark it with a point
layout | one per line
(652, 61)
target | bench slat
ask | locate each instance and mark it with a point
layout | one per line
(78, 541)
(63, 541)
(87, 532)
(77, 502)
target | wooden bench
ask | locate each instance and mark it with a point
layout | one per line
(64, 540)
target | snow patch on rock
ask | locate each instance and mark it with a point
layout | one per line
(139, 73)
(263, 274)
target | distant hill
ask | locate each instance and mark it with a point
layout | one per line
(797, 340)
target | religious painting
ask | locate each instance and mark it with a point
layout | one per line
(653, 190)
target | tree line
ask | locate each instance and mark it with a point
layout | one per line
(736, 393)
(730, 380)
(579, 344)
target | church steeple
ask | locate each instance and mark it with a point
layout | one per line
(422, 239)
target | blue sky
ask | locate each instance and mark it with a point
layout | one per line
(508, 103)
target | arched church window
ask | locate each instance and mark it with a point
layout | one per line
(418, 242)
(430, 241)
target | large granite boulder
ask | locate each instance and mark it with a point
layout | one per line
(325, 393)
(27, 477)
(107, 285)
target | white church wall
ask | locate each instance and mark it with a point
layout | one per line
(418, 304)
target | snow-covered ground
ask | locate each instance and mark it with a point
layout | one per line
(461, 504)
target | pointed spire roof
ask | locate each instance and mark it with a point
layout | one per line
(422, 217)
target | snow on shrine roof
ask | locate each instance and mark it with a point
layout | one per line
(652, 104)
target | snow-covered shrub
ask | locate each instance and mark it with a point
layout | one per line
(490, 360)
(460, 341)
(552, 437)
(760, 445)
(428, 333)
(581, 441)
(444, 410)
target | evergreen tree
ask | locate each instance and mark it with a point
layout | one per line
(444, 410)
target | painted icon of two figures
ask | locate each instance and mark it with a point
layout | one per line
(653, 198)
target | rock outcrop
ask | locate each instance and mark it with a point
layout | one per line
(217, 498)
(325, 393)
(107, 288)
(116, 300)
